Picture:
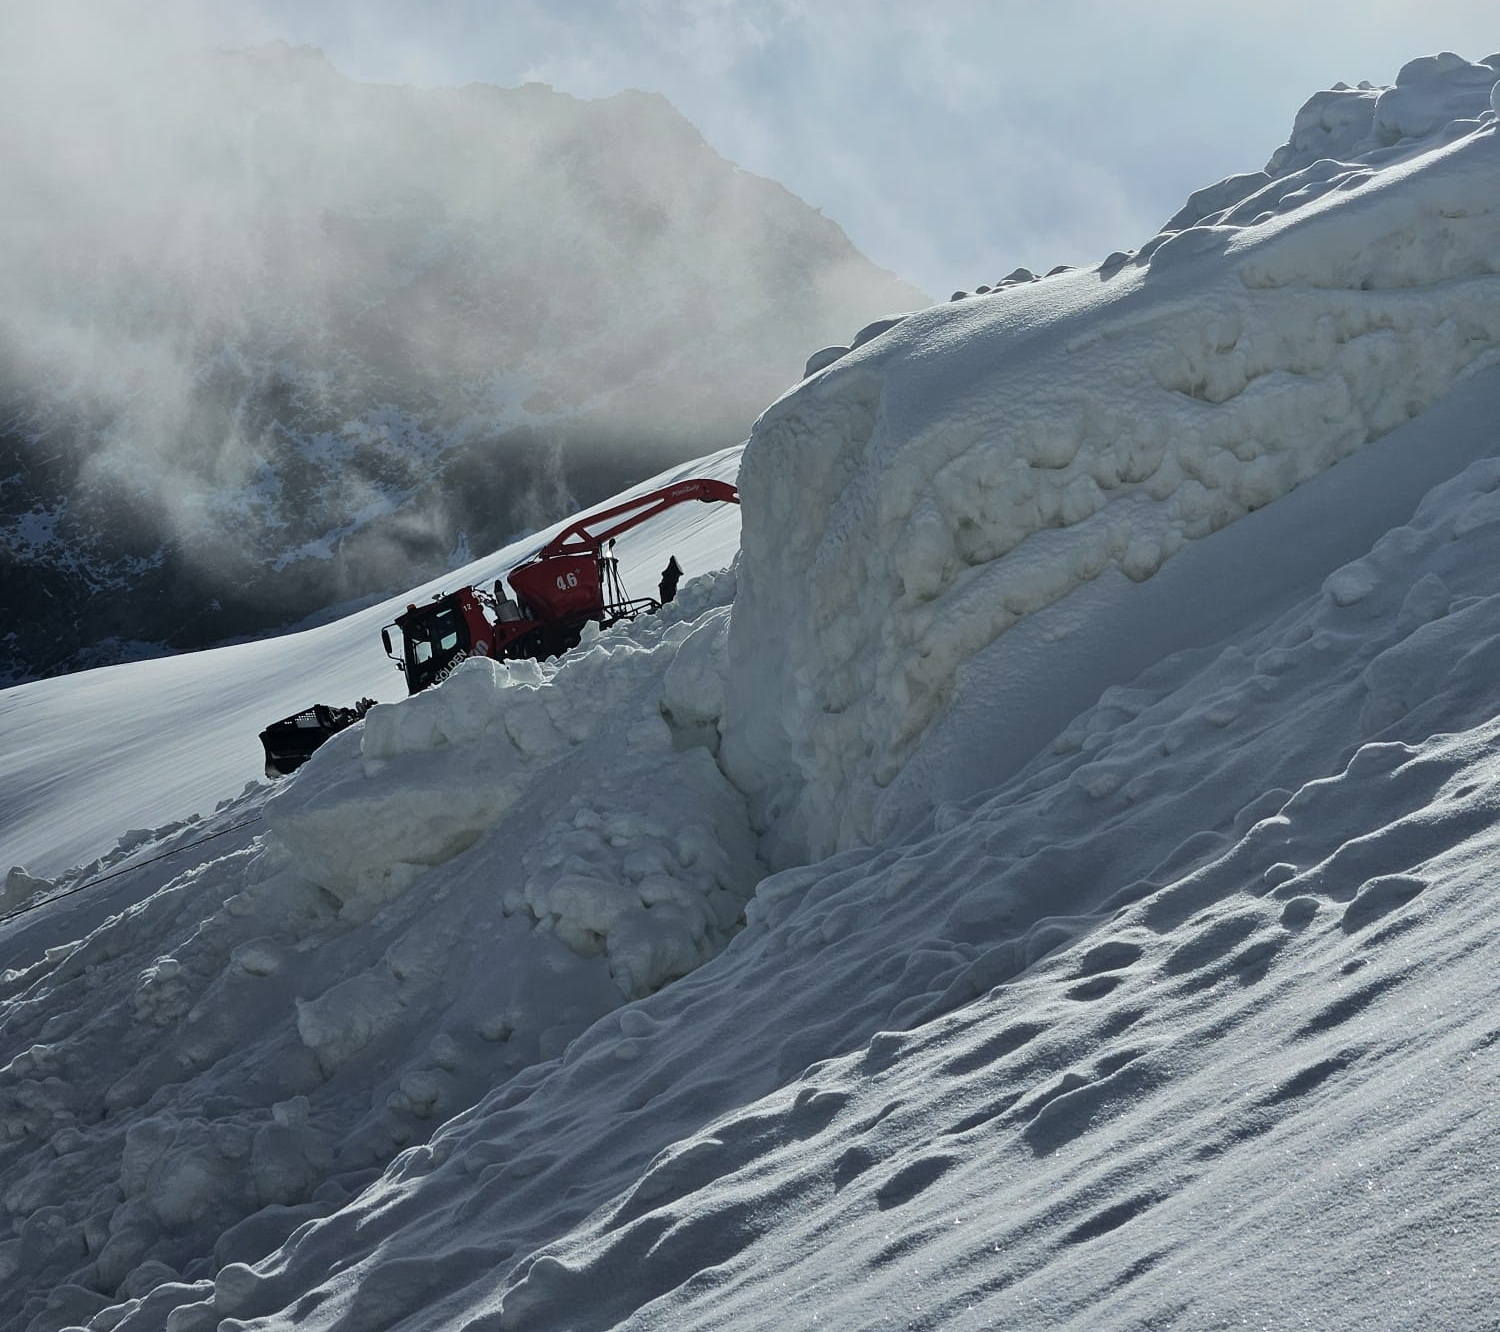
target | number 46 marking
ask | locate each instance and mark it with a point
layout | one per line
(565, 581)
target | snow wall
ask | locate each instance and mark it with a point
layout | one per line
(974, 463)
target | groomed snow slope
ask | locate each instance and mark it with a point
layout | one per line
(1150, 980)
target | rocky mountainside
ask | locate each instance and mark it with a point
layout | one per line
(273, 340)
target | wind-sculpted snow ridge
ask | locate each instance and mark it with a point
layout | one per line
(441, 897)
(979, 461)
(1186, 1024)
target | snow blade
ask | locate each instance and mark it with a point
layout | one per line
(290, 742)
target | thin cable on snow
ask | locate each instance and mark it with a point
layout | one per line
(127, 869)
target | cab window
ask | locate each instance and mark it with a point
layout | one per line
(441, 636)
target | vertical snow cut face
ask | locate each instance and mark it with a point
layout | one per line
(912, 502)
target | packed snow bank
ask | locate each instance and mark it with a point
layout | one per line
(983, 460)
(636, 848)
(443, 895)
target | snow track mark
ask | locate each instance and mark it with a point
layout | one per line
(914, 1179)
(1111, 1218)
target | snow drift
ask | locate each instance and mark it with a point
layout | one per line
(1113, 652)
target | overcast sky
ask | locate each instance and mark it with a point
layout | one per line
(952, 140)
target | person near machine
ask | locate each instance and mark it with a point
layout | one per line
(670, 576)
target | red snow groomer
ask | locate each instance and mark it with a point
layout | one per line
(570, 581)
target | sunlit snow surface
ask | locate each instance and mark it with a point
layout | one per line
(1135, 962)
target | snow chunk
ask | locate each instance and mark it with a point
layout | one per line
(822, 359)
(342, 1021)
(21, 888)
(1330, 124)
(1431, 92)
(1431, 95)
(873, 330)
(1216, 198)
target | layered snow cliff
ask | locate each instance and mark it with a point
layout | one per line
(978, 462)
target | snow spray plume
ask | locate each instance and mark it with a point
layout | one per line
(291, 305)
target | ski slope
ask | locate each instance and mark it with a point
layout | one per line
(1047, 881)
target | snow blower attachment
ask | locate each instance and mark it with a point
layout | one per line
(570, 581)
(290, 742)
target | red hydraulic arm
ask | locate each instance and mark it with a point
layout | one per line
(570, 579)
(580, 536)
